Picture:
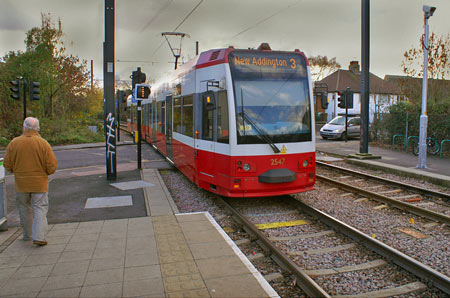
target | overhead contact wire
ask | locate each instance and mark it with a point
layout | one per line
(179, 25)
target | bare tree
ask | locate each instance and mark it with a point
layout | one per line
(321, 66)
(438, 58)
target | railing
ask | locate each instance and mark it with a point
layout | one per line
(442, 146)
(407, 143)
(393, 141)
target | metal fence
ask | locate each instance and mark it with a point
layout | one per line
(387, 125)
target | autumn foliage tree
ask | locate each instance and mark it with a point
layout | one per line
(438, 58)
(64, 79)
(438, 103)
(438, 72)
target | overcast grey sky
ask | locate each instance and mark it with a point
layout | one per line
(316, 27)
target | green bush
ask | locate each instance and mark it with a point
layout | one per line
(63, 132)
(406, 115)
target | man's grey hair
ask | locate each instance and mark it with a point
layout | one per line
(31, 123)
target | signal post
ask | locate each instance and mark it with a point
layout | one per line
(141, 91)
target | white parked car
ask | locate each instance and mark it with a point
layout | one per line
(335, 129)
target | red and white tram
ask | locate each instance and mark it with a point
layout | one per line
(239, 123)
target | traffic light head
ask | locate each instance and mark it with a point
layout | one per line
(34, 90)
(341, 100)
(137, 77)
(15, 89)
(324, 100)
(121, 96)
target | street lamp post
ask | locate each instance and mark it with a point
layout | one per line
(428, 12)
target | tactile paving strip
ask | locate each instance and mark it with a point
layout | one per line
(180, 274)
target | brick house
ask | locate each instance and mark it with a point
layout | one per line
(382, 93)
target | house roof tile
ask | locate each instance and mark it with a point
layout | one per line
(341, 79)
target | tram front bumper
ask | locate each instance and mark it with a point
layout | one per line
(253, 186)
(277, 176)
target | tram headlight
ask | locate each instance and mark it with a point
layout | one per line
(245, 166)
(305, 163)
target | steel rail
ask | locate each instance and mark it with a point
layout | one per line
(304, 281)
(422, 271)
(391, 182)
(435, 216)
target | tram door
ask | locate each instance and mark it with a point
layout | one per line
(154, 121)
(205, 149)
(169, 126)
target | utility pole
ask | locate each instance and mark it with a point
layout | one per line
(428, 12)
(365, 90)
(92, 75)
(110, 122)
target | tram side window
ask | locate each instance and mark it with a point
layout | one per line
(154, 119)
(163, 117)
(177, 115)
(150, 115)
(159, 120)
(222, 118)
(188, 116)
(207, 122)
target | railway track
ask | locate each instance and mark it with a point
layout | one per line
(309, 235)
(406, 197)
(445, 197)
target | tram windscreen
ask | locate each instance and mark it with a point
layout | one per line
(271, 91)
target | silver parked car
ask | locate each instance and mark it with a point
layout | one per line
(335, 129)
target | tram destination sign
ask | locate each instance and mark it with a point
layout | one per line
(252, 62)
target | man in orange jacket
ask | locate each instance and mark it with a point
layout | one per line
(31, 159)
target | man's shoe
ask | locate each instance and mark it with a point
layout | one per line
(39, 243)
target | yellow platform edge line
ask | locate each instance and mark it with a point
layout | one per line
(274, 225)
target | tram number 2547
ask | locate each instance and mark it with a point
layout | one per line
(277, 162)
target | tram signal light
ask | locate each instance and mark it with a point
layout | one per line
(15, 89)
(34, 90)
(142, 92)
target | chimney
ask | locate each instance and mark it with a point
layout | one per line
(354, 67)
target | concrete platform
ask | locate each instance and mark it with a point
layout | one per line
(162, 255)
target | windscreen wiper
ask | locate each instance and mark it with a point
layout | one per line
(261, 134)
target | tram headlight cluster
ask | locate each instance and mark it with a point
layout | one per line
(306, 163)
(242, 166)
